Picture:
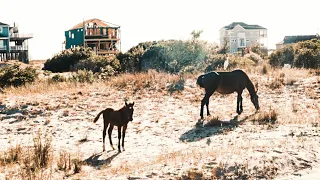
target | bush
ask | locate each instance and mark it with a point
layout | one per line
(64, 61)
(58, 78)
(307, 58)
(105, 66)
(304, 54)
(257, 49)
(171, 56)
(175, 55)
(236, 61)
(82, 76)
(283, 56)
(131, 60)
(12, 75)
(254, 57)
(215, 62)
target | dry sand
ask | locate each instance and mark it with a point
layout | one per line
(165, 141)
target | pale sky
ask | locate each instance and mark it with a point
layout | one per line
(148, 20)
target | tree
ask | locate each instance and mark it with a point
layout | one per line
(196, 34)
(225, 48)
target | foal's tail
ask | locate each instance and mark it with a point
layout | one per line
(199, 81)
(96, 119)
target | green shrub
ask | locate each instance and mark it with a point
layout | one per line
(13, 75)
(82, 76)
(236, 61)
(131, 60)
(215, 62)
(58, 78)
(96, 64)
(171, 56)
(65, 60)
(307, 54)
(261, 51)
(304, 54)
(254, 57)
(174, 55)
(282, 56)
(106, 72)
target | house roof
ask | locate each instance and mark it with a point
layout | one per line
(244, 25)
(294, 39)
(96, 21)
(3, 24)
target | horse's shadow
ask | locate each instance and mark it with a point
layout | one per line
(95, 161)
(201, 131)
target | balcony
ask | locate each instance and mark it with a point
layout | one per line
(101, 33)
(18, 48)
(17, 36)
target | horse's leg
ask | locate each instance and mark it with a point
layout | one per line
(109, 134)
(205, 101)
(123, 135)
(119, 138)
(239, 103)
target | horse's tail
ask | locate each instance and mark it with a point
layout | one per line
(97, 117)
(199, 81)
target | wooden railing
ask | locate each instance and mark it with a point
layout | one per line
(17, 35)
(19, 48)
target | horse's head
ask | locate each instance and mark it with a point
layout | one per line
(129, 111)
(255, 100)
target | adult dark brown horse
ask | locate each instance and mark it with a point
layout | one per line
(119, 118)
(227, 83)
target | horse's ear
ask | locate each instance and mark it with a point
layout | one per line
(126, 103)
(133, 104)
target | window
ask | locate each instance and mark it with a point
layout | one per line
(0, 29)
(1, 44)
(263, 34)
(241, 42)
(72, 36)
(69, 34)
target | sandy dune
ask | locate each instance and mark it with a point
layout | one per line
(165, 140)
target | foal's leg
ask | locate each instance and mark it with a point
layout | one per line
(123, 135)
(105, 125)
(109, 134)
(119, 138)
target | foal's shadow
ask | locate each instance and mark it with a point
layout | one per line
(213, 127)
(95, 161)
